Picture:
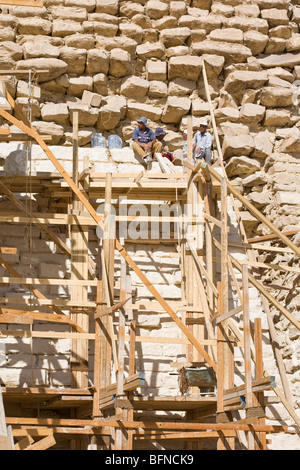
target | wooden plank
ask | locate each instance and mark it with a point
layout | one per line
(24, 3)
(43, 444)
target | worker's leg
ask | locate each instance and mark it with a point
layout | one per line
(156, 147)
(138, 149)
(208, 156)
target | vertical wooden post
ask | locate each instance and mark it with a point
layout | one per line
(131, 372)
(247, 348)
(259, 374)
(220, 363)
(120, 436)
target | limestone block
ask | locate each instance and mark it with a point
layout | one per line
(227, 113)
(132, 31)
(181, 87)
(141, 20)
(104, 29)
(275, 46)
(100, 84)
(284, 32)
(157, 9)
(111, 7)
(252, 11)
(166, 22)
(109, 118)
(120, 63)
(68, 13)
(34, 26)
(255, 41)
(157, 89)
(23, 90)
(84, 136)
(293, 44)
(26, 12)
(288, 60)
(7, 33)
(239, 81)
(275, 17)
(125, 155)
(15, 50)
(40, 49)
(231, 52)
(256, 179)
(80, 41)
(75, 58)
(50, 128)
(8, 20)
(202, 4)
(117, 101)
(174, 36)
(130, 9)
(228, 35)
(64, 28)
(104, 18)
(177, 8)
(237, 145)
(279, 4)
(97, 61)
(150, 51)
(246, 24)
(200, 107)
(89, 5)
(221, 9)
(252, 113)
(134, 87)
(91, 99)
(213, 64)
(188, 67)
(78, 85)
(290, 145)
(87, 116)
(263, 144)
(241, 166)
(296, 15)
(276, 97)
(175, 109)
(177, 51)
(289, 197)
(136, 110)
(156, 70)
(258, 199)
(127, 44)
(281, 73)
(55, 112)
(56, 67)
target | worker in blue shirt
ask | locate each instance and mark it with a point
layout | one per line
(202, 143)
(144, 141)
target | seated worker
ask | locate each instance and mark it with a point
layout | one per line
(202, 143)
(144, 142)
(159, 135)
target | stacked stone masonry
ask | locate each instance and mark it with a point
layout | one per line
(113, 61)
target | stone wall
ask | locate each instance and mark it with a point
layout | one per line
(114, 61)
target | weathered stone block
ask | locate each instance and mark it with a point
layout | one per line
(175, 109)
(276, 97)
(156, 70)
(111, 7)
(188, 67)
(58, 113)
(78, 85)
(231, 52)
(150, 51)
(237, 145)
(97, 61)
(134, 87)
(174, 36)
(34, 26)
(136, 110)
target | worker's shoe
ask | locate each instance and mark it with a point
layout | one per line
(148, 158)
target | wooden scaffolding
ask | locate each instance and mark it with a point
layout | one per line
(108, 414)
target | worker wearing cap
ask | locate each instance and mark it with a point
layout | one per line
(144, 141)
(159, 135)
(202, 143)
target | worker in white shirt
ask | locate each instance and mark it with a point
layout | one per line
(202, 143)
